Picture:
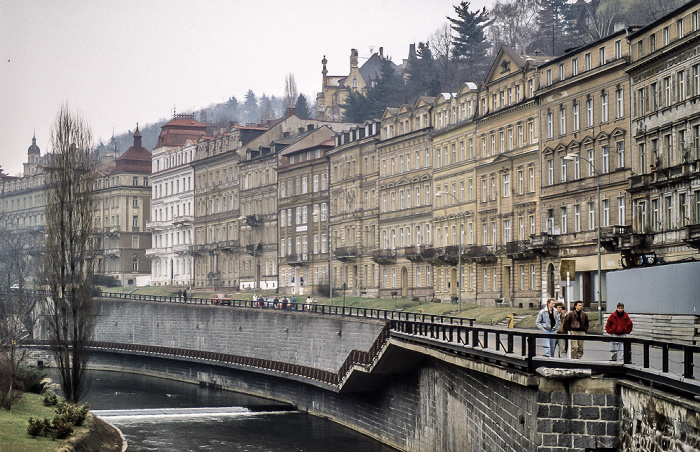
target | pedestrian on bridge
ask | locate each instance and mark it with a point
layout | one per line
(619, 324)
(562, 344)
(548, 320)
(576, 324)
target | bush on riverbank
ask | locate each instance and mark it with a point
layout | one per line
(67, 416)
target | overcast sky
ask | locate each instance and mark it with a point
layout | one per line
(119, 63)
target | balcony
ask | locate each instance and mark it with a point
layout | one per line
(181, 248)
(254, 220)
(113, 230)
(229, 245)
(481, 253)
(384, 256)
(181, 220)
(432, 255)
(519, 249)
(150, 252)
(346, 253)
(113, 252)
(544, 245)
(414, 253)
(254, 249)
(297, 259)
(450, 254)
(692, 235)
(610, 235)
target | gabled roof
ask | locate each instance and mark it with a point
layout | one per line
(508, 62)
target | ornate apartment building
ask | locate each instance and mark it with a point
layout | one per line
(405, 199)
(585, 114)
(664, 70)
(354, 210)
(173, 201)
(303, 211)
(123, 202)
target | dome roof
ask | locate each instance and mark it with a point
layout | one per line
(34, 149)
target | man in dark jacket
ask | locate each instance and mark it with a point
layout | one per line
(619, 324)
(576, 323)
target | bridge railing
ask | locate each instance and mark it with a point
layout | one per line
(671, 364)
(348, 311)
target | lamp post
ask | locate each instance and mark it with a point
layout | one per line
(461, 246)
(573, 156)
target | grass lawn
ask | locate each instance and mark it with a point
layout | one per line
(13, 426)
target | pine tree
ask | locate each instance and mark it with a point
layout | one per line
(356, 107)
(423, 78)
(554, 28)
(250, 107)
(302, 107)
(470, 44)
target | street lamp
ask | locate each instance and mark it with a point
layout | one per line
(574, 156)
(461, 246)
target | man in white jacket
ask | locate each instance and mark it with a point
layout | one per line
(548, 321)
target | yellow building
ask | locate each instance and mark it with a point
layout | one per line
(585, 114)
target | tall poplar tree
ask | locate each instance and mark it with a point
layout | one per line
(69, 250)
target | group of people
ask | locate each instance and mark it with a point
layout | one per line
(277, 302)
(553, 319)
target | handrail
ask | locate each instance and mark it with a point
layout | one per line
(347, 311)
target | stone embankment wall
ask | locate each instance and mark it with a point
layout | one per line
(323, 342)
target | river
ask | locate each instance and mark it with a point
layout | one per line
(163, 415)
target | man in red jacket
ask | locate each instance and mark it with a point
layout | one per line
(619, 324)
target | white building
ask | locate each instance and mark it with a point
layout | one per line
(172, 217)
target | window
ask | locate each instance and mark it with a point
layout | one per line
(550, 126)
(562, 121)
(135, 201)
(606, 159)
(667, 36)
(620, 154)
(601, 56)
(577, 218)
(591, 216)
(587, 62)
(531, 179)
(135, 264)
(652, 43)
(574, 67)
(667, 91)
(589, 112)
(696, 80)
(621, 210)
(577, 168)
(562, 212)
(520, 182)
(694, 19)
(562, 75)
(506, 231)
(506, 185)
(606, 212)
(618, 49)
(679, 28)
(550, 172)
(563, 170)
(549, 77)
(619, 103)
(681, 86)
(668, 223)
(604, 107)
(577, 122)
(642, 158)
(655, 214)
(135, 221)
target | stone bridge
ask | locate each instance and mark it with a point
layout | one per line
(413, 384)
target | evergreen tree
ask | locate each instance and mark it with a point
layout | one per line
(356, 107)
(302, 107)
(423, 78)
(554, 28)
(387, 92)
(250, 107)
(266, 109)
(231, 108)
(470, 44)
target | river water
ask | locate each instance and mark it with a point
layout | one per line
(162, 415)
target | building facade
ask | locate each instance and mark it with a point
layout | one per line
(123, 202)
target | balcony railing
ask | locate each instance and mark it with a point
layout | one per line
(384, 256)
(254, 249)
(692, 235)
(450, 254)
(413, 253)
(346, 253)
(182, 219)
(431, 255)
(297, 259)
(254, 220)
(113, 252)
(544, 244)
(519, 249)
(481, 253)
(229, 245)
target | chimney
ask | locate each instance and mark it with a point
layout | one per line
(310, 127)
(301, 130)
(291, 111)
(381, 53)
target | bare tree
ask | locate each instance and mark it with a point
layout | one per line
(513, 24)
(16, 307)
(69, 250)
(290, 91)
(441, 46)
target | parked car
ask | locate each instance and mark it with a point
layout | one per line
(220, 298)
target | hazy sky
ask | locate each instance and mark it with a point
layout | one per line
(122, 62)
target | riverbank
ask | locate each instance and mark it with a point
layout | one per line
(94, 435)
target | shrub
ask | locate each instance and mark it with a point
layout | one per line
(61, 426)
(50, 399)
(31, 379)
